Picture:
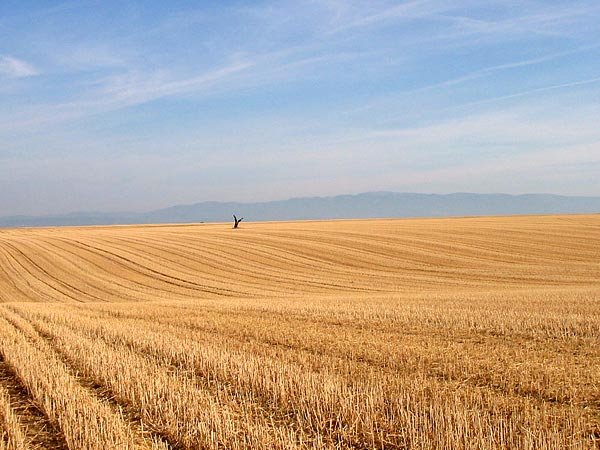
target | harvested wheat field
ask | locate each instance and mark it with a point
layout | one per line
(478, 333)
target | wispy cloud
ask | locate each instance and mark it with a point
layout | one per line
(16, 68)
(484, 73)
(491, 70)
(515, 128)
(557, 21)
(528, 168)
(138, 86)
(553, 87)
(119, 92)
(457, 23)
(317, 95)
(408, 10)
(134, 88)
(88, 57)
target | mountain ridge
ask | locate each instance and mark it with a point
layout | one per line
(377, 204)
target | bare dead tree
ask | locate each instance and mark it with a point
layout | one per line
(237, 221)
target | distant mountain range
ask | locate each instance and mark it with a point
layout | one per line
(367, 205)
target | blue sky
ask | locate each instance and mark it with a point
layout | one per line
(120, 105)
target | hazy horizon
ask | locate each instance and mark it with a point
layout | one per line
(287, 199)
(366, 205)
(136, 106)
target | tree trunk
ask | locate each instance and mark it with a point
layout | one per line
(237, 221)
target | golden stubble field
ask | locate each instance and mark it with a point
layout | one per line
(399, 334)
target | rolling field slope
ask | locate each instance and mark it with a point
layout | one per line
(422, 333)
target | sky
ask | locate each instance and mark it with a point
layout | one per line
(137, 105)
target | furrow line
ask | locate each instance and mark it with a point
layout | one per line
(94, 280)
(428, 247)
(89, 276)
(57, 280)
(241, 271)
(134, 268)
(296, 282)
(143, 438)
(172, 280)
(8, 278)
(227, 270)
(274, 258)
(40, 428)
(13, 432)
(132, 287)
(385, 273)
(187, 413)
(22, 273)
(287, 391)
(444, 371)
(437, 368)
(132, 426)
(85, 421)
(44, 280)
(220, 247)
(43, 251)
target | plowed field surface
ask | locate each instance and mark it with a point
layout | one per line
(400, 334)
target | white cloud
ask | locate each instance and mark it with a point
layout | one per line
(518, 127)
(537, 90)
(16, 68)
(118, 92)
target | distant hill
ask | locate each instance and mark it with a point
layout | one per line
(366, 205)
